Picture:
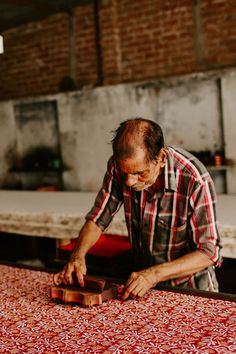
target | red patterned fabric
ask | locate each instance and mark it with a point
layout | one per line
(161, 322)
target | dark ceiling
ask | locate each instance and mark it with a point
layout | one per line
(14, 13)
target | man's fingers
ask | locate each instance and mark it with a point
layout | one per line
(67, 274)
(57, 279)
(136, 286)
(133, 276)
(74, 270)
(130, 286)
(126, 295)
(80, 270)
(142, 292)
(64, 277)
(80, 276)
(130, 291)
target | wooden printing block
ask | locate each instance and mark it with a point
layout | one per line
(94, 292)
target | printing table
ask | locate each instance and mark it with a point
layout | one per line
(61, 215)
(161, 322)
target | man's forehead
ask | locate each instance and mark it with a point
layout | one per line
(134, 164)
(138, 153)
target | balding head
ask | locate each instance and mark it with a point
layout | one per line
(138, 133)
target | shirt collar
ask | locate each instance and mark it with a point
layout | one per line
(170, 179)
(169, 175)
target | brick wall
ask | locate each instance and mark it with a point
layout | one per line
(35, 58)
(137, 40)
(219, 27)
(86, 56)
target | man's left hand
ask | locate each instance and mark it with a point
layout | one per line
(139, 283)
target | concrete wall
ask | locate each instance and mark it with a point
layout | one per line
(188, 110)
(7, 142)
(190, 116)
(86, 128)
(229, 114)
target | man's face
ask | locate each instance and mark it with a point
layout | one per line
(139, 173)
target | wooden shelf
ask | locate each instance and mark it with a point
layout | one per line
(217, 168)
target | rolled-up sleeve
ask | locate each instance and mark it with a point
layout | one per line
(109, 199)
(203, 221)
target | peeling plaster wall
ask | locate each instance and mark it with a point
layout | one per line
(7, 143)
(87, 127)
(229, 113)
(36, 125)
(188, 112)
(189, 115)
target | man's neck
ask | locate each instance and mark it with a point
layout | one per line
(159, 184)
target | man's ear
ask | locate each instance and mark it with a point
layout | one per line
(163, 155)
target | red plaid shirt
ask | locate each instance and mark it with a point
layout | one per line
(170, 223)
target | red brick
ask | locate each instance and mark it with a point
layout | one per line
(139, 40)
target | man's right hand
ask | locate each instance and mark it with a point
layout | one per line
(76, 266)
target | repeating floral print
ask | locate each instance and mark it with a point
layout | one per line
(160, 322)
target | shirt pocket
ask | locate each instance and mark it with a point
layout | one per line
(169, 237)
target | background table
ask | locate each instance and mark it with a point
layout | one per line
(61, 215)
(49, 214)
(160, 322)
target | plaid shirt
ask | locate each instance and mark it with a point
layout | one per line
(170, 223)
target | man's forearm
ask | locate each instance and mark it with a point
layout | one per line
(186, 265)
(88, 236)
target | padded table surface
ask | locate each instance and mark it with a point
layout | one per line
(160, 322)
(49, 214)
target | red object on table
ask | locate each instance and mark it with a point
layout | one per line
(108, 245)
(160, 322)
(47, 189)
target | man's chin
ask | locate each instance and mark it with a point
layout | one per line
(140, 188)
(137, 189)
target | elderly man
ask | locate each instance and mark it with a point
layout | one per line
(169, 203)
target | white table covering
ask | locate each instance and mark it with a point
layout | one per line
(61, 215)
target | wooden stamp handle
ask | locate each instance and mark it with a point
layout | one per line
(91, 283)
(94, 283)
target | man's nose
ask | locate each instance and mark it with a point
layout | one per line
(130, 180)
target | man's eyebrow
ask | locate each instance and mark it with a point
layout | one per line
(133, 173)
